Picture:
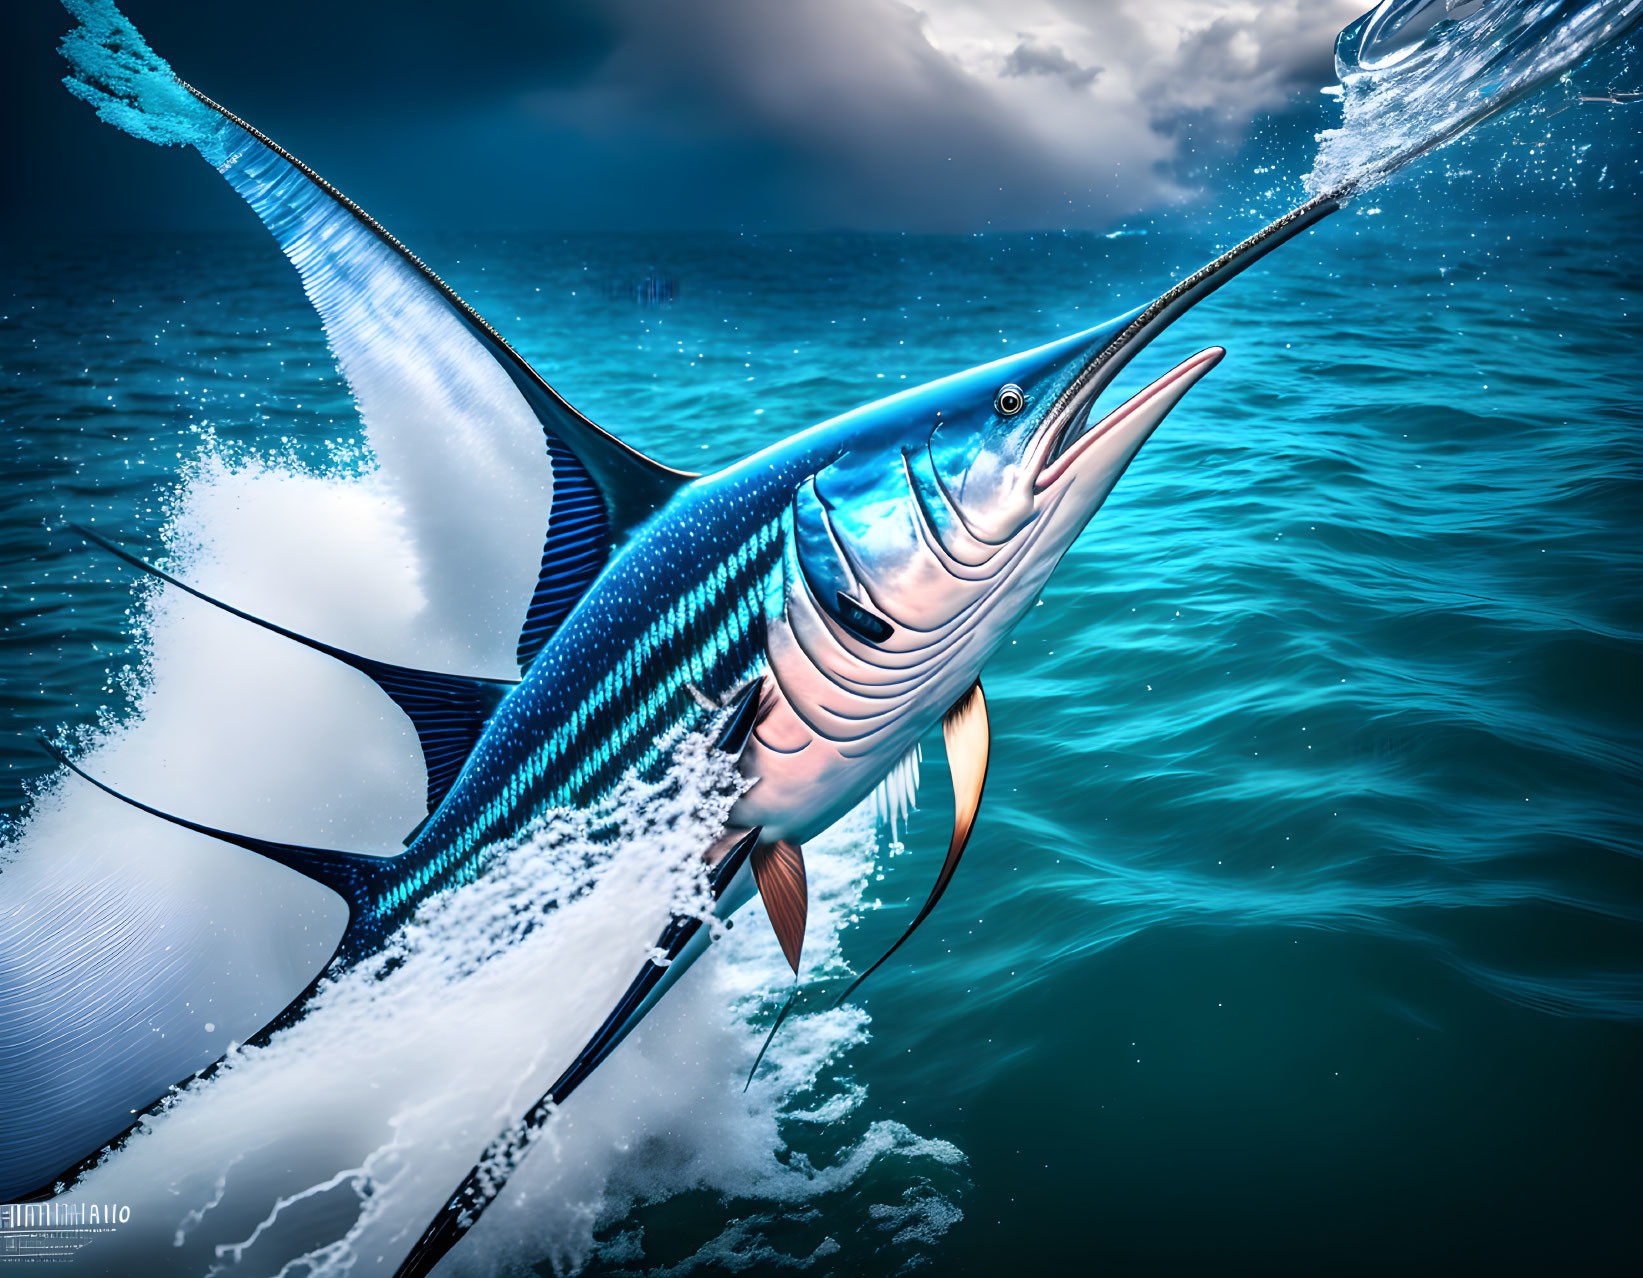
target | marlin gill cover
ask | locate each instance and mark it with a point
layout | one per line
(828, 636)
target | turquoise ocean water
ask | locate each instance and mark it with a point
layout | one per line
(1303, 927)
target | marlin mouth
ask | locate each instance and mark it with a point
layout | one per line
(1135, 417)
(1068, 416)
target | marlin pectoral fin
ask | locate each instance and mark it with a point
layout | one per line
(354, 876)
(448, 711)
(778, 869)
(969, 745)
(775, 1025)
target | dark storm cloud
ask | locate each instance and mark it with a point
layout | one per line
(677, 113)
(1028, 58)
(1268, 52)
(334, 79)
(874, 126)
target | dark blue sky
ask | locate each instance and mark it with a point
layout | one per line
(735, 114)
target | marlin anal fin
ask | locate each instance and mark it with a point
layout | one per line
(969, 744)
(448, 711)
(482, 1184)
(778, 869)
(354, 876)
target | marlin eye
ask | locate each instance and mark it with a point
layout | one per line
(1010, 400)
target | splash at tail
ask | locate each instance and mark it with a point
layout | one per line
(131, 86)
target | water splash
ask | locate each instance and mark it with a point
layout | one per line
(1416, 74)
(130, 85)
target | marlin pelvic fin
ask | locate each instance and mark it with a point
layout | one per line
(969, 743)
(354, 876)
(448, 711)
(778, 869)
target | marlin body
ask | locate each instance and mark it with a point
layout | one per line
(815, 609)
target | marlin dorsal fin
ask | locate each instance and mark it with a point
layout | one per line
(409, 347)
(298, 205)
(602, 488)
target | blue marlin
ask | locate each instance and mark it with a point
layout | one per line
(815, 609)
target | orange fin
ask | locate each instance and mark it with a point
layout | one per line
(778, 869)
(969, 744)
